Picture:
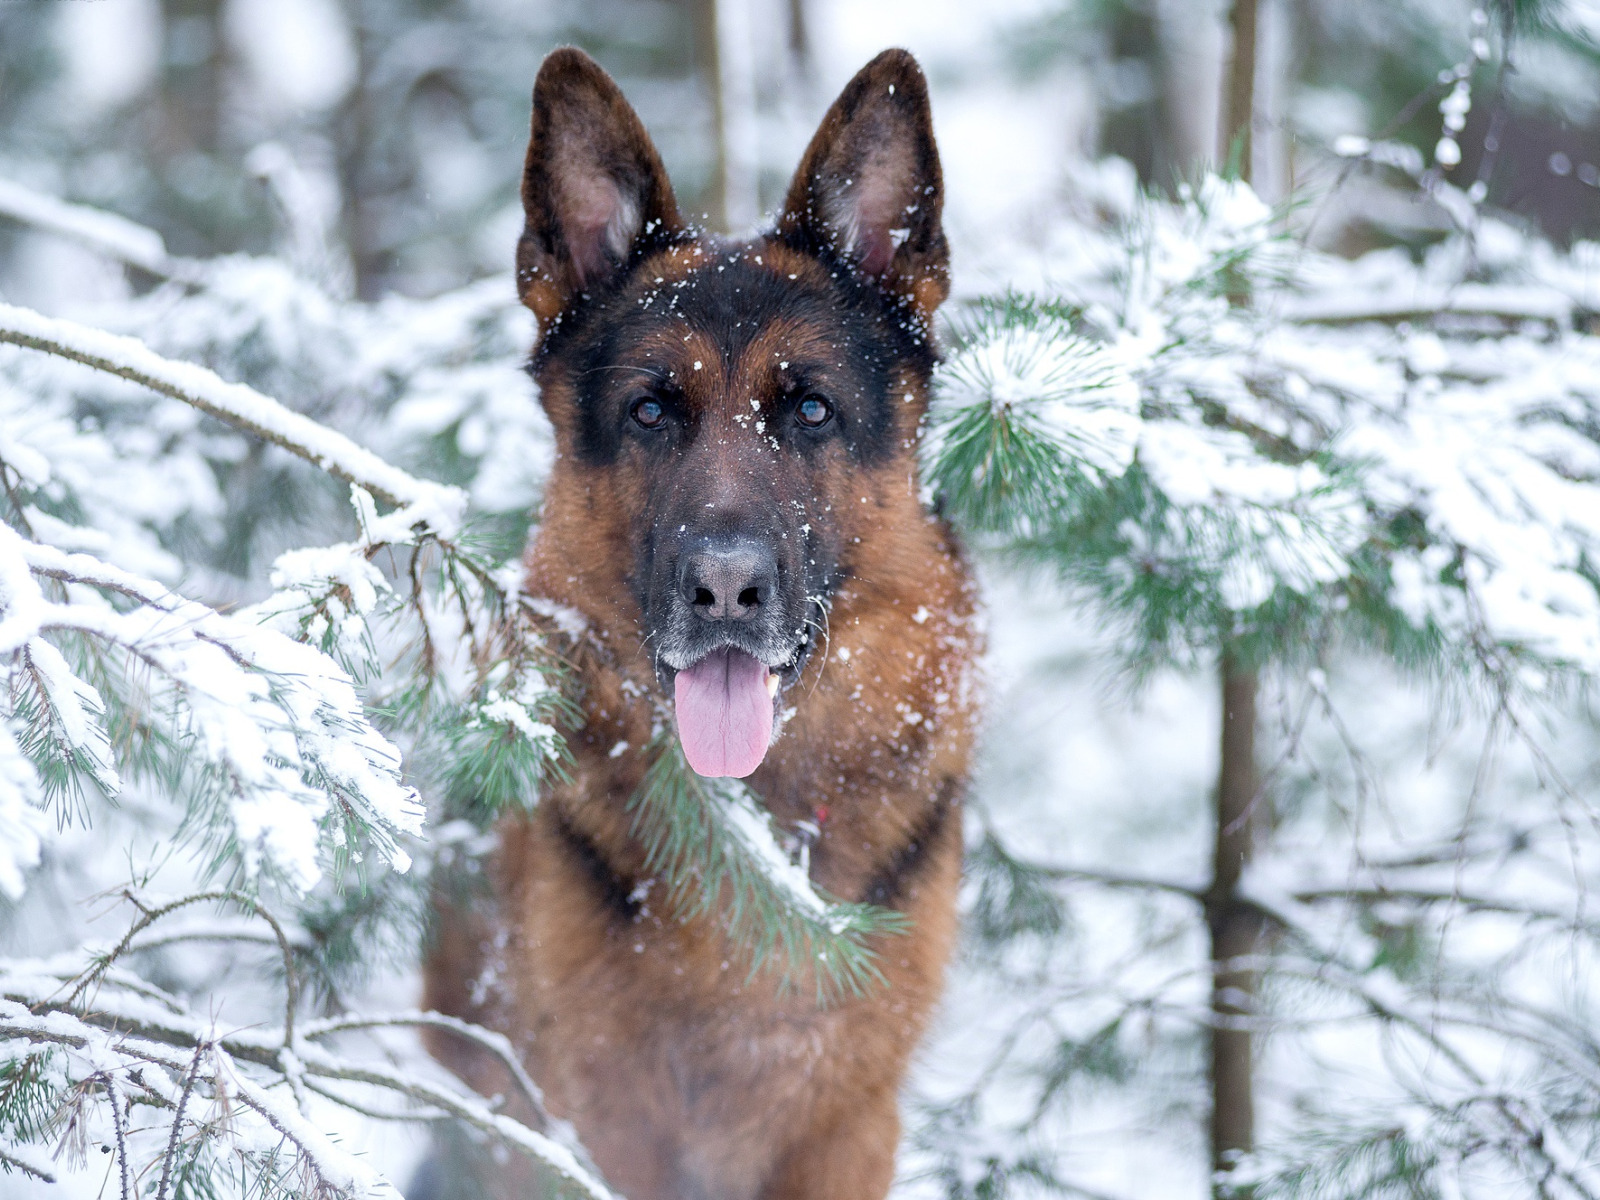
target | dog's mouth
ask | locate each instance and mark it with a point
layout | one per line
(727, 703)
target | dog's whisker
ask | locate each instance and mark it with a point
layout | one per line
(822, 605)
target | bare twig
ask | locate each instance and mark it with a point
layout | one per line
(148, 917)
(119, 1126)
(175, 1139)
(11, 1158)
(1116, 879)
(136, 1038)
(495, 1043)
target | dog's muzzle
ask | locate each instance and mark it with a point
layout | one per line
(732, 644)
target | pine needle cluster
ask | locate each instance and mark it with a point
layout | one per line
(714, 847)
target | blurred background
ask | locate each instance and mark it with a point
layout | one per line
(373, 149)
(386, 137)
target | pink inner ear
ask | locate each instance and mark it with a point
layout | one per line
(871, 210)
(876, 248)
(600, 223)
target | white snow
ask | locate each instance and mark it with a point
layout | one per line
(77, 709)
(278, 718)
(22, 823)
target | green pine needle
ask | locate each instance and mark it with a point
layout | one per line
(704, 837)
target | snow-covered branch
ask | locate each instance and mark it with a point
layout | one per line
(125, 1036)
(279, 721)
(109, 234)
(240, 406)
(709, 838)
(1505, 303)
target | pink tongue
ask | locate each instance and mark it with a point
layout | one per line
(724, 713)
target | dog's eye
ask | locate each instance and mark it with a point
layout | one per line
(814, 412)
(647, 413)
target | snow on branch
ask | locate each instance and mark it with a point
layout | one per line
(122, 1037)
(1212, 434)
(277, 721)
(109, 234)
(240, 406)
(714, 847)
(77, 1032)
(1505, 303)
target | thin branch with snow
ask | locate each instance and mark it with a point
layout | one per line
(107, 233)
(240, 406)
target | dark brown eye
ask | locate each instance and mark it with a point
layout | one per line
(814, 412)
(647, 413)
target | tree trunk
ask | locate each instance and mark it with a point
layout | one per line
(1193, 65)
(1235, 927)
(722, 28)
(799, 37)
(194, 64)
(354, 134)
(1238, 108)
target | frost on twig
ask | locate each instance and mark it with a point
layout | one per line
(100, 1035)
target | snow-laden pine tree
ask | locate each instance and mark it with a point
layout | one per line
(1214, 439)
(1253, 460)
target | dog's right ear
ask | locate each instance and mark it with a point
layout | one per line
(593, 186)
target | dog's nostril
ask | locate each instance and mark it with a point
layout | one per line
(731, 580)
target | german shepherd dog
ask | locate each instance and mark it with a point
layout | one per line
(733, 536)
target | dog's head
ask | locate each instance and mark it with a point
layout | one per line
(734, 415)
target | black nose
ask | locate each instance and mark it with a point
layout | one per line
(728, 581)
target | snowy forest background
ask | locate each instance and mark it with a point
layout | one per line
(1300, 408)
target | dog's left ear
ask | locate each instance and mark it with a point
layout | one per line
(869, 188)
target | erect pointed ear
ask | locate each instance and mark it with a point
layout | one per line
(869, 188)
(593, 186)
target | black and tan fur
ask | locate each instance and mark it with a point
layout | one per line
(684, 1077)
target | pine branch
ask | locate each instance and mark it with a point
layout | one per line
(275, 718)
(20, 1159)
(1029, 417)
(713, 844)
(114, 1032)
